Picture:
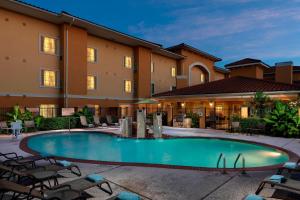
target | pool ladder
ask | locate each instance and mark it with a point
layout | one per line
(243, 162)
(235, 163)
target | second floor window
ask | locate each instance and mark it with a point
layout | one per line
(49, 78)
(91, 82)
(202, 78)
(127, 86)
(152, 67)
(152, 88)
(49, 45)
(173, 71)
(128, 62)
(91, 55)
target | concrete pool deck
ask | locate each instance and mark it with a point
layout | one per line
(160, 183)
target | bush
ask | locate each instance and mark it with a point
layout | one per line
(195, 119)
(252, 123)
(58, 123)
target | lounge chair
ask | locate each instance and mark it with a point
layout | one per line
(97, 121)
(28, 177)
(64, 192)
(4, 126)
(287, 184)
(84, 123)
(110, 121)
(125, 196)
(253, 197)
(290, 167)
(29, 125)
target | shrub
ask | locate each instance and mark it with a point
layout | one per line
(284, 120)
(86, 111)
(58, 123)
(251, 123)
(195, 119)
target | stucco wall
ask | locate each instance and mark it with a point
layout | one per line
(162, 77)
(247, 71)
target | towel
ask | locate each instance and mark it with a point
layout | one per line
(277, 178)
(128, 196)
(254, 197)
(96, 178)
(290, 165)
(64, 163)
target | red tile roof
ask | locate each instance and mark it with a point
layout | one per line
(232, 85)
(246, 61)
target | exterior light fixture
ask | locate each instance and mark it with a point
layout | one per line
(182, 105)
(211, 103)
(159, 105)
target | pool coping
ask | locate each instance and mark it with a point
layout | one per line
(292, 156)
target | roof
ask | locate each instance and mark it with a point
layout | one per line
(193, 49)
(231, 85)
(221, 70)
(91, 27)
(246, 62)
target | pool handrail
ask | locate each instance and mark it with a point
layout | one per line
(219, 159)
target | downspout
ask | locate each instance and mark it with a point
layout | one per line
(67, 65)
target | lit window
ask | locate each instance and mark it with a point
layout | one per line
(91, 55)
(49, 45)
(152, 88)
(48, 110)
(173, 72)
(244, 112)
(49, 78)
(128, 62)
(219, 109)
(91, 82)
(152, 66)
(202, 78)
(127, 86)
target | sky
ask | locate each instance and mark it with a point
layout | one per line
(229, 29)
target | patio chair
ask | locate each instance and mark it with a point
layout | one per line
(16, 128)
(288, 185)
(125, 195)
(289, 167)
(58, 193)
(84, 123)
(253, 197)
(97, 121)
(110, 122)
(4, 126)
(29, 125)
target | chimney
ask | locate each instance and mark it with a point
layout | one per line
(284, 72)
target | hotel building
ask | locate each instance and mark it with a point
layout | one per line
(54, 60)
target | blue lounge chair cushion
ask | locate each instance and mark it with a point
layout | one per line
(277, 178)
(128, 196)
(64, 163)
(96, 178)
(254, 197)
(290, 165)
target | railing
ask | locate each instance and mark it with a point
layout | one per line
(243, 163)
(219, 159)
(224, 162)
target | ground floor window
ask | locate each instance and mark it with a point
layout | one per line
(48, 110)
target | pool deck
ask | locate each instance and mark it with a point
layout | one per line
(173, 184)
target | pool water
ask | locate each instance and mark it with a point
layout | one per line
(191, 152)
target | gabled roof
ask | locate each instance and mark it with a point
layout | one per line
(193, 49)
(91, 27)
(231, 85)
(246, 62)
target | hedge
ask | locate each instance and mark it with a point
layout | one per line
(58, 123)
(247, 123)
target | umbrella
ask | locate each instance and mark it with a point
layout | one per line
(147, 101)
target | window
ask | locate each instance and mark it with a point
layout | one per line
(244, 112)
(172, 88)
(152, 88)
(202, 78)
(49, 45)
(91, 82)
(173, 71)
(127, 86)
(152, 67)
(49, 78)
(91, 55)
(48, 110)
(128, 62)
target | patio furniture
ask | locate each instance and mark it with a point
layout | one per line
(287, 184)
(110, 122)
(253, 197)
(64, 192)
(4, 126)
(16, 128)
(290, 167)
(60, 166)
(29, 125)
(178, 120)
(259, 128)
(125, 196)
(84, 123)
(97, 121)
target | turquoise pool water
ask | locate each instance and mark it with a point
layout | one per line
(192, 152)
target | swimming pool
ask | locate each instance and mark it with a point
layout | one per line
(185, 152)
